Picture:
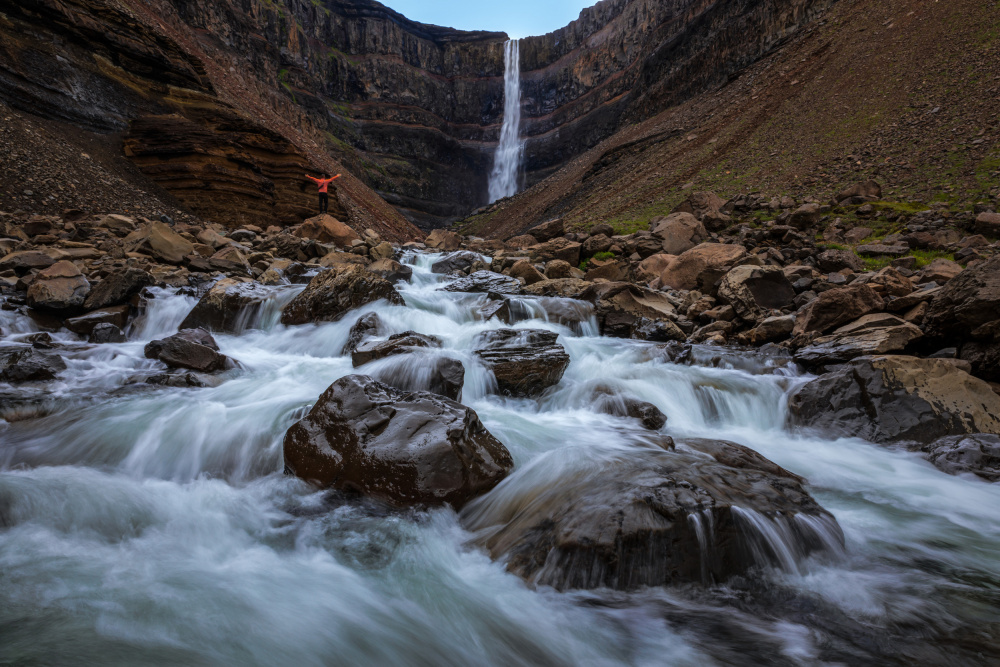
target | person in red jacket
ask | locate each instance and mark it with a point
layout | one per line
(323, 183)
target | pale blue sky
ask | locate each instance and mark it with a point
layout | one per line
(518, 18)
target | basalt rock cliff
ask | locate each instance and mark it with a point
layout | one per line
(224, 104)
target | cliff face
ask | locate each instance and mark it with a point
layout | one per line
(245, 94)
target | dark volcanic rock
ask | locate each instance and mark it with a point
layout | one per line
(754, 291)
(367, 326)
(619, 406)
(228, 307)
(456, 261)
(525, 362)
(106, 332)
(977, 453)
(836, 307)
(188, 348)
(116, 288)
(650, 517)
(334, 293)
(892, 399)
(117, 316)
(29, 365)
(402, 447)
(400, 343)
(485, 282)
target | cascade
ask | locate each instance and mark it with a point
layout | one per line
(510, 151)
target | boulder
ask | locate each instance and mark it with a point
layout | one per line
(526, 271)
(568, 288)
(230, 306)
(366, 326)
(391, 270)
(498, 308)
(805, 217)
(702, 266)
(889, 282)
(607, 269)
(557, 248)
(860, 192)
(988, 224)
(189, 348)
(104, 333)
(858, 234)
(525, 362)
(679, 232)
(327, 229)
(939, 271)
(60, 288)
(834, 260)
(334, 259)
(456, 261)
(706, 207)
(160, 241)
(623, 309)
(653, 266)
(836, 307)
(117, 288)
(626, 406)
(896, 399)
(643, 244)
(435, 373)
(547, 230)
(442, 239)
(404, 448)
(521, 241)
(978, 454)
(332, 294)
(23, 261)
(754, 291)
(602, 228)
(651, 517)
(485, 282)
(382, 251)
(595, 244)
(558, 268)
(401, 343)
(874, 334)
(770, 330)
(882, 250)
(116, 316)
(29, 365)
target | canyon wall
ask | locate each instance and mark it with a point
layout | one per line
(412, 111)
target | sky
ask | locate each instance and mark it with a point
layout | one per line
(518, 18)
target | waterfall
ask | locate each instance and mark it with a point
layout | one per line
(507, 162)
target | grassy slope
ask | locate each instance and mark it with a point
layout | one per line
(903, 91)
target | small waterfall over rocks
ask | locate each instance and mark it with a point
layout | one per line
(510, 152)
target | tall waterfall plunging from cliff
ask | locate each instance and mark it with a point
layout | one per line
(507, 162)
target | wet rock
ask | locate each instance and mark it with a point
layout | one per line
(679, 232)
(60, 288)
(435, 373)
(117, 288)
(456, 261)
(405, 448)
(391, 270)
(442, 239)
(29, 365)
(888, 399)
(189, 348)
(498, 308)
(754, 291)
(626, 406)
(702, 266)
(116, 316)
(651, 517)
(367, 326)
(547, 230)
(401, 343)
(105, 332)
(485, 282)
(978, 454)
(228, 307)
(525, 362)
(870, 335)
(332, 294)
(625, 310)
(833, 260)
(837, 306)
(327, 229)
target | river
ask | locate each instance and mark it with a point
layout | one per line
(154, 526)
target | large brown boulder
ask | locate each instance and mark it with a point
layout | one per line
(702, 266)
(230, 306)
(442, 239)
(557, 248)
(988, 224)
(652, 517)
(679, 232)
(805, 216)
(567, 288)
(875, 334)
(405, 448)
(966, 312)
(525, 362)
(60, 288)
(707, 207)
(652, 267)
(25, 364)
(84, 324)
(160, 241)
(23, 261)
(332, 294)
(527, 272)
(327, 229)
(548, 230)
(837, 260)
(625, 310)
(456, 261)
(896, 399)
(189, 348)
(836, 307)
(755, 291)
(485, 282)
(116, 288)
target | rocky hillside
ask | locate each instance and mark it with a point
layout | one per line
(901, 91)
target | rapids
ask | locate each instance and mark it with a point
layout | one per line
(145, 525)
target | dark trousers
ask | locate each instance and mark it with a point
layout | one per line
(324, 202)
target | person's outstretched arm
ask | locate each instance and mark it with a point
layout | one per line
(314, 180)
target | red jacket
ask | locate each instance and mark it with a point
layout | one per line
(322, 182)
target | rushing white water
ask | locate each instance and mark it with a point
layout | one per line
(505, 177)
(145, 525)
